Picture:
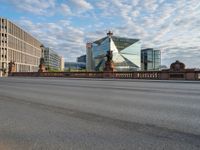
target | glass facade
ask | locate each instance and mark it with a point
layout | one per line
(150, 59)
(126, 54)
(52, 59)
(71, 66)
(81, 59)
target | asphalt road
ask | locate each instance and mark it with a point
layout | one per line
(90, 114)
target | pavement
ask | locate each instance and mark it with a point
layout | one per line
(98, 114)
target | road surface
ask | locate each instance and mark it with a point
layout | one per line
(100, 114)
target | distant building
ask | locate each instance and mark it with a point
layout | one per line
(126, 53)
(52, 59)
(18, 46)
(69, 66)
(62, 64)
(150, 59)
(81, 59)
(89, 57)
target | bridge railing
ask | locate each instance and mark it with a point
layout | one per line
(155, 75)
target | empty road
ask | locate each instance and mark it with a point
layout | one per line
(98, 114)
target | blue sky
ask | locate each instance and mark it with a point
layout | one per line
(173, 26)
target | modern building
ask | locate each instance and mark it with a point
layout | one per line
(126, 53)
(89, 57)
(72, 66)
(52, 60)
(18, 46)
(81, 62)
(81, 59)
(62, 64)
(150, 59)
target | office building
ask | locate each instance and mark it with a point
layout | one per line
(150, 59)
(62, 64)
(126, 53)
(18, 46)
(81, 59)
(52, 60)
(81, 62)
(89, 57)
(74, 66)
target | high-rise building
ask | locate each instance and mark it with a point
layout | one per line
(150, 59)
(126, 53)
(89, 57)
(51, 59)
(18, 46)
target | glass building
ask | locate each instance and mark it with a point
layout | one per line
(52, 60)
(81, 59)
(150, 59)
(126, 53)
(72, 66)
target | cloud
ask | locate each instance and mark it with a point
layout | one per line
(169, 26)
(83, 5)
(150, 5)
(102, 4)
(65, 9)
(135, 2)
(172, 26)
(135, 13)
(51, 7)
(38, 7)
(68, 41)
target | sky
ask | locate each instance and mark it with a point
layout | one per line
(173, 26)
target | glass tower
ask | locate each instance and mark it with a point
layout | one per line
(150, 59)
